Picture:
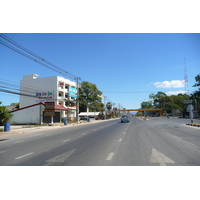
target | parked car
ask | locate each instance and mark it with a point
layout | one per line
(124, 118)
(83, 118)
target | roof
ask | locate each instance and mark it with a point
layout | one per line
(27, 107)
(60, 107)
(57, 107)
(11, 108)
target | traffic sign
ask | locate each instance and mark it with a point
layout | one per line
(190, 108)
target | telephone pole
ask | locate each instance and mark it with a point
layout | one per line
(77, 99)
(105, 106)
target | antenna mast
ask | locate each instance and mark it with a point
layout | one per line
(186, 79)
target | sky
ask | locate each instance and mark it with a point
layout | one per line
(126, 67)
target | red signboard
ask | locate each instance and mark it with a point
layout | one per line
(49, 109)
(61, 83)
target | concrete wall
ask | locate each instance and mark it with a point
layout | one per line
(30, 115)
(30, 84)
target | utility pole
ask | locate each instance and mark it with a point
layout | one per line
(105, 105)
(77, 99)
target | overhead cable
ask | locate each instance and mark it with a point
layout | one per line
(53, 66)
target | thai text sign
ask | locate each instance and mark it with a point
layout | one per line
(72, 92)
(44, 96)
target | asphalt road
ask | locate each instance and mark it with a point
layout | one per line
(155, 142)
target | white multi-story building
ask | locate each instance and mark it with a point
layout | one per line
(58, 89)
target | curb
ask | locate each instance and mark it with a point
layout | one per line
(193, 124)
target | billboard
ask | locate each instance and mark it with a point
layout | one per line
(72, 92)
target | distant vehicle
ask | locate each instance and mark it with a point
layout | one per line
(124, 118)
(83, 118)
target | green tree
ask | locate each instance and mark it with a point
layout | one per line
(109, 106)
(146, 104)
(15, 104)
(170, 104)
(4, 114)
(160, 100)
(197, 78)
(89, 96)
(195, 96)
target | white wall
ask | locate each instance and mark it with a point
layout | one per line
(30, 84)
(30, 115)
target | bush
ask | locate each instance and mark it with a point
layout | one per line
(4, 115)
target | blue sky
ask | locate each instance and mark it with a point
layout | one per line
(126, 67)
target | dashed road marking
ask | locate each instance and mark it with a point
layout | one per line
(120, 140)
(124, 132)
(2, 151)
(66, 140)
(110, 156)
(24, 155)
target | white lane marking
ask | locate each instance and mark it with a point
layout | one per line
(84, 133)
(61, 157)
(124, 132)
(95, 129)
(120, 140)
(24, 155)
(66, 140)
(2, 151)
(157, 157)
(110, 156)
(18, 141)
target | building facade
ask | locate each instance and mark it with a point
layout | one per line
(57, 89)
(34, 114)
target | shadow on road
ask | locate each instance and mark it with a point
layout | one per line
(3, 140)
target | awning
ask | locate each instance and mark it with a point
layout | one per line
(59, 107)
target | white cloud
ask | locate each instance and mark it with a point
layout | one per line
(170, 84)
(175, 92)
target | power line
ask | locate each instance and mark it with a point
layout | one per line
(41, 59)
(34, 57)
(31, 58)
